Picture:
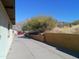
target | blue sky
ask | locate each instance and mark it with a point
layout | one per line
(62, 10)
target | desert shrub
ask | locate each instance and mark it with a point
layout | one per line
(39, 23)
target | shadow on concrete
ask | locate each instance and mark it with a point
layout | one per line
(65, 50)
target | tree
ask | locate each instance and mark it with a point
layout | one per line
(75, 22)
(39, 23)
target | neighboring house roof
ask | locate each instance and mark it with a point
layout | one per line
(10, 9)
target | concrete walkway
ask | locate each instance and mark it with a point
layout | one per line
(30, 49)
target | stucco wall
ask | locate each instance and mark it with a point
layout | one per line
(70, 41)
(38, 37)
(4, 41)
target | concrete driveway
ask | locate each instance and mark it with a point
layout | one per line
(24, 48)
